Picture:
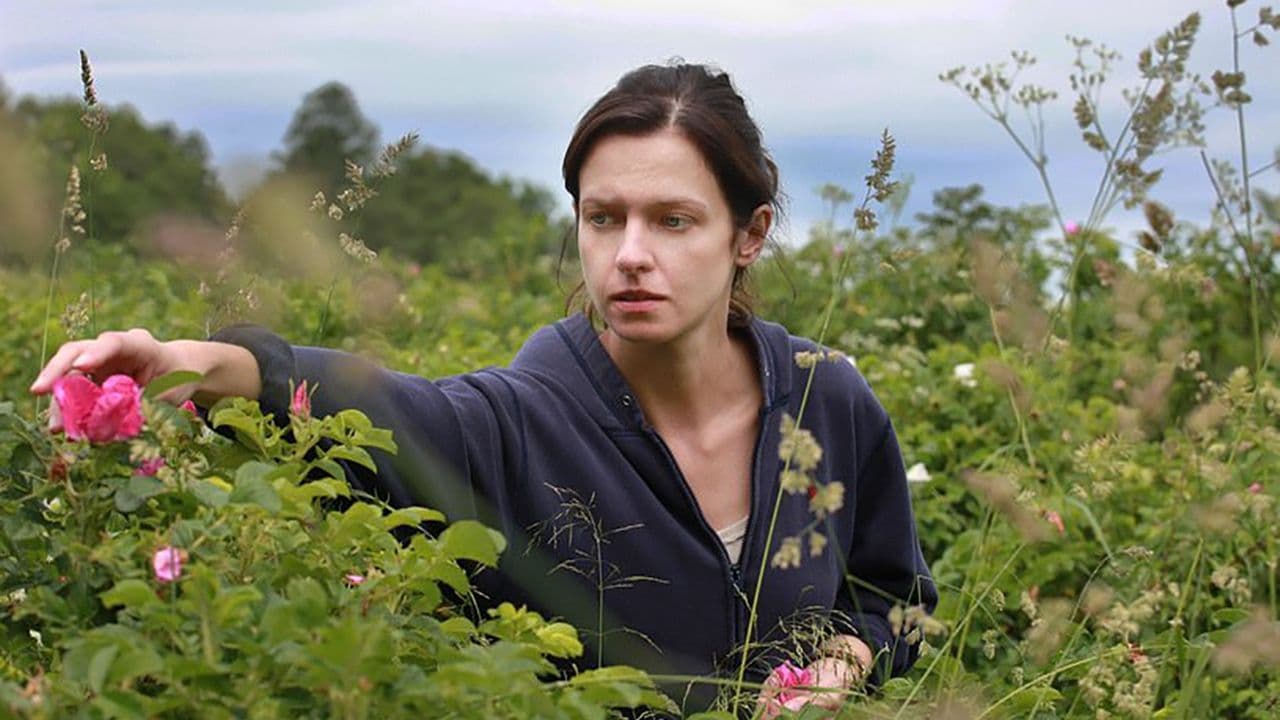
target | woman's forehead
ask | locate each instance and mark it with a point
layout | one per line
(658, 168)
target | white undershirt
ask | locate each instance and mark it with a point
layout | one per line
(731, 537)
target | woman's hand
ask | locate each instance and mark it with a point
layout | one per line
(227, 370)
(824, 681)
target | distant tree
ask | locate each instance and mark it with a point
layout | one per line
(149, 169)
(440, 206)
(327, 129)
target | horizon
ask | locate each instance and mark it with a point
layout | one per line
(505, 87)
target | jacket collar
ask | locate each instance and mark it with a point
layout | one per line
(617, 407)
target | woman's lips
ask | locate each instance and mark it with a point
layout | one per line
(636, 306)
(635, 302)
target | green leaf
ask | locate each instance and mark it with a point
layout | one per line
(1041, 696)
(208, 493)
(1229, 616)
(559, 640)
(896, 688)
(236, 418)
(459, 628)
(357, 455)
(122, 704)
(322, 488)
(170, 381)
(469, 540)
(99, 666)
(331, 468)
(252, 487)
(233, 604)
(131, 594)
(135, 491)
(412, 516)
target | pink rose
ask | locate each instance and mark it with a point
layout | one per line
(1255, 488)
(149, 467)
(786, 676)
(1072, 227)
(167, 562)
(104, 414)
(301, 403)
(189, 407)
(353, 579)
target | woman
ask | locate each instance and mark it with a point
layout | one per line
(636, 446)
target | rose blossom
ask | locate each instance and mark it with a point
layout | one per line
(353, 579)
(301, 403)
(786, 676)
(104, 414)
(167, 563)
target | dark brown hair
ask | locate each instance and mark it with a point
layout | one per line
(701, 103)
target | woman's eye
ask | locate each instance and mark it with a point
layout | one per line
(598, 219)
(676, 222)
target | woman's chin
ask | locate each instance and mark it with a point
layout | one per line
(640, 328)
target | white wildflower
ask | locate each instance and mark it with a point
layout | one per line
(917, 474)
(964, 373)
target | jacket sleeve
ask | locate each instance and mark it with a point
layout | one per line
(448, 432)
(885, 566)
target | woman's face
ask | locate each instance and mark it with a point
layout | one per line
(657, 241)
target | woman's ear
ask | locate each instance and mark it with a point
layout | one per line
(751, 238)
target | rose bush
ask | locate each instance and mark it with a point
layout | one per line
(228, 583)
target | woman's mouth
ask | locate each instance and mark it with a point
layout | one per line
(635, 301)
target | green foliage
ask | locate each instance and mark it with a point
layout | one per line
(149, 170)
(281, 606)
(441, 207)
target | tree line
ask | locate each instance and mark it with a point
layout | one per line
(440, 206)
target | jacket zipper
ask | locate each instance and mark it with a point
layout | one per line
(739, 601)
(732, 574)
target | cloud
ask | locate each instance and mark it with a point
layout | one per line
(505, 81)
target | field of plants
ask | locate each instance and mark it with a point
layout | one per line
(1091, 425)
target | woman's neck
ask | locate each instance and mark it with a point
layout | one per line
(685, 383)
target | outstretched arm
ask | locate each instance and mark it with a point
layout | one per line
(227, 370)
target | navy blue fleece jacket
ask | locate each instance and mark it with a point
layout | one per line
(555, 452)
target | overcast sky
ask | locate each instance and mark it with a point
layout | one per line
(504, 82)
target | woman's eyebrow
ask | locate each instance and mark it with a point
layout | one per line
(664, 202)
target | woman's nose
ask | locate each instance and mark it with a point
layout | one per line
(633, 253)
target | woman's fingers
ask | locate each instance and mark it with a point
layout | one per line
(60, 364)
(132, 353)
